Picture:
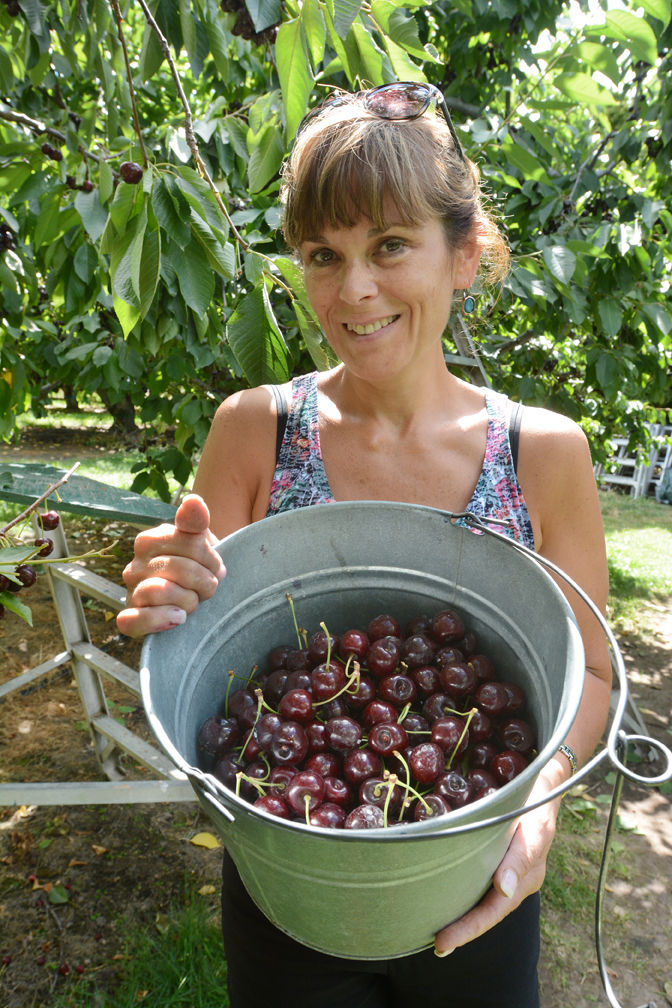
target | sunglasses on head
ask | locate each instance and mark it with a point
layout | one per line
(398, 101)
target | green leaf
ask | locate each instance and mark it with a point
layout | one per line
(343, 13)
(611, 316)
(195, 278)
(633, 32)
(150, 267)
(523, 160)
(581, 88)
(8, 600)
(221, 257)
(313, 338)
(264, 13)
(6, 72)
(296, 81)
(105, 181)
(561, 262)
(256, 341)
(58, 894)
(370, 55)
(127, 314)
(314, 30)
(661, 9)
(659, 316)
(94, 216)
(165, 206)
(85, 262)
(267, 150)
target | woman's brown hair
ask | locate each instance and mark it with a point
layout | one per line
(346, 162)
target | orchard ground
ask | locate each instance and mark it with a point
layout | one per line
(116, 867)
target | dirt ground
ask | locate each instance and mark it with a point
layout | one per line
(72, 876)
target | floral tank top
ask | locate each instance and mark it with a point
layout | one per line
(300, 478)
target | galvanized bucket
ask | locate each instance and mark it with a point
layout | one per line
(382, 893)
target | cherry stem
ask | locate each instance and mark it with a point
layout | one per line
(296, 625)
(406, 785)
(354, 678)
(231, 675)
(306, 799)
(324, 627)
(391, 781)
(470, 715)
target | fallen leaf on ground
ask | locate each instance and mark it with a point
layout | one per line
(205, 840)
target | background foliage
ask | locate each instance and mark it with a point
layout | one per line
(164, 295)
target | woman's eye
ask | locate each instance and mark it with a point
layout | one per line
(391, 245)
(322, 256)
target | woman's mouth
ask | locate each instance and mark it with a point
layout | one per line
(370, 327)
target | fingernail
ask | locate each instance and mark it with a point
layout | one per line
(509, 882)
(442, 953)
(177, 616)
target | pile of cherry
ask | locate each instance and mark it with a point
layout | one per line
(370, 728)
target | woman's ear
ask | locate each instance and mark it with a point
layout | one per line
(466, 266)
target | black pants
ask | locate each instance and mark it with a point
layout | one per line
(267, 968)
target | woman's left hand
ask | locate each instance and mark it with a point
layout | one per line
(520, 874)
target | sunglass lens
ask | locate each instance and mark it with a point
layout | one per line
(398, 101)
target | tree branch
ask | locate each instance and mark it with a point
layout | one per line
(129, 76)
(38, 128)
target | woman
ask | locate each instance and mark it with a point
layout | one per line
(386, 216)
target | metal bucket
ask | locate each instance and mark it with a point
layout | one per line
(383, 893)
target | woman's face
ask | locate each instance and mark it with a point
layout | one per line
(383, 297)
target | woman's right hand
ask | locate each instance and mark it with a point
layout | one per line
(174, 568)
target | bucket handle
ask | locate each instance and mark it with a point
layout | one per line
(618, 741)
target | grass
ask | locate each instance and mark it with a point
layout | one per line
(639, 550)
(179, 965)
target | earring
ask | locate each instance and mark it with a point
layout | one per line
(468, 304)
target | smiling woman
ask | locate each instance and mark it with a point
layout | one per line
(388, 219)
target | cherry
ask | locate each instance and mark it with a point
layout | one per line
(457, 791)
(250, 747)
(317, 739)
(244, 705)
(327, 764)
(298, 660)
(482, 666)
(274, 686)
(385, 737)
(49, 520)
(337, 791)
(383, 626)
(517, 734)
(417, 650)
(360, 693)
(515, 697)
(426, 678)
(290, 743)
(343, 734)
(481, 727)
(481, 778)
(451, 734)
(360, 764)
(381, 792)
(44, 547)
(378, 712)
(507, 765)
(298, 679)
(383, 656)
(277, 657)
(338, 707)
(426, 762)
(458, 679)
(491, 697)
(280, 777)
(297, 705)
(397, 689)
(419, 625)
(130, 172)
(483, 753)
(414, 723)
(304, 792)
(26, 574)
(365, 817)
(327, 814)
(265, 728)
(430, 806)
(353, 642)
(437, 705)
(226, 768)
(327, 681)
(447, 626)
(217, 734)
(274, 804)
(320, 645)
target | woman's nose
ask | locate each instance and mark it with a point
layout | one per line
(357, 282)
